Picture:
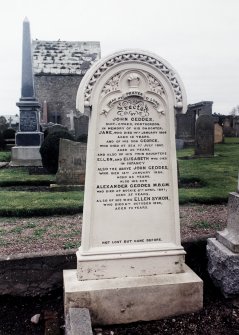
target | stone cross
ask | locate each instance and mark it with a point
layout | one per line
(44, 114)
(10, 121)
(71, 115)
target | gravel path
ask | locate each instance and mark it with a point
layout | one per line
(36, 234)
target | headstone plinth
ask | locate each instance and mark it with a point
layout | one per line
(28, 138)
(223, 252)
(130, 265)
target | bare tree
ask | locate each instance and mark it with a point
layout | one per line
(235, 111)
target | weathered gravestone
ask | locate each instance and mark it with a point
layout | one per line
(54, 128)
(28, 138)
(71, 165)
(236, 125)
(130, 265)
(185, 127)
(81, 126)
(3, 124)
(228, 130)
(223, 251)
(218, 133)
(204, 139)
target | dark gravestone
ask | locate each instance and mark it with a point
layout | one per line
(81, 126)
(228, 130)
(185, 126)
(3, 124)
(54, 128)
(204, 139)
(236, 125)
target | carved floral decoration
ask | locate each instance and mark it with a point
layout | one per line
(168, 73)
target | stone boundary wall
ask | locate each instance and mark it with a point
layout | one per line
(38, 274)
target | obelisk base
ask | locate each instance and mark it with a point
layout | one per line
(26, 156)
(131, 299)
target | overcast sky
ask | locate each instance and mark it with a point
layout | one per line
(199, 38)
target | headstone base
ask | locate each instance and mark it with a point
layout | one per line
(129, 264)
(223, 267)
(26, 156)
(131, 299)
(66, 188)
(230, 240)
(230, 236)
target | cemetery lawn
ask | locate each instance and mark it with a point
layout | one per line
(22, 194)
(5, 156)
(21, 177)
(202, 180)
(29, 204)
(209, 180)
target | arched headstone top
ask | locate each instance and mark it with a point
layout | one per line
(138, 70)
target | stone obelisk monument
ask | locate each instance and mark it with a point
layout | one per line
(28, 137)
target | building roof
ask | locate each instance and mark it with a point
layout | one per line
(63, 57)
(200, 104)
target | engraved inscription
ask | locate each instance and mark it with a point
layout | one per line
(132, 162)
(28, 121)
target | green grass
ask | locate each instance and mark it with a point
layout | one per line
(28, 204)
(39, 232)
(5, 156)
(202, 224)
(218, 175)
(71, 245)
(17, 230)
(30, 225)
(20, 176)
(231, 140)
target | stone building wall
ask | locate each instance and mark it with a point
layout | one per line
(58, 69)
(60, 94)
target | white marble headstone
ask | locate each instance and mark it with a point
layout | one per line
(131, 190)
(130, 266)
